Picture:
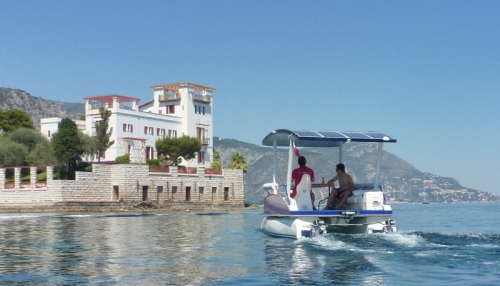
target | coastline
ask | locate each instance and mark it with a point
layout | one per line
(149, 207)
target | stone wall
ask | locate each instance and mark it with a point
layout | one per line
(129, 184)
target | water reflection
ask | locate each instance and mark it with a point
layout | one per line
(168, 249)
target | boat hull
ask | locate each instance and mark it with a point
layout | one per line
(310, 226)
(293, 227)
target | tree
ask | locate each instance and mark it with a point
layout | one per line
(217, 161)
(40, 151)
(14, 119)
(11, 153)
(88, 145)
(102, 135)
(184, 146)
(66, 143)
(238, 161)
(42, 154)
(27, 137)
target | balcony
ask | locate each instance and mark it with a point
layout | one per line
(170, 97)
(204, 141)
(201, 98)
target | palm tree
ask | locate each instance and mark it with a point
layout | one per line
(239, 162)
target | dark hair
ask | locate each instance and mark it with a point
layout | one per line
(341, 167)
(302, 161)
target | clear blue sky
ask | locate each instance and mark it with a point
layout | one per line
(425, 72)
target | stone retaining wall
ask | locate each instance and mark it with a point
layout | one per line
(120, 184)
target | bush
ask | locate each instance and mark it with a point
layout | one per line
(153, 162)
(88, 168)
(124, 159)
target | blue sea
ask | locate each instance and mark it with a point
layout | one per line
(436, 244)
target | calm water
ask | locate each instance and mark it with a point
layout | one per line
(437, 244)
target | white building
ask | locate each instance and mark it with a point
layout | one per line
(176, 109)
(49, 125)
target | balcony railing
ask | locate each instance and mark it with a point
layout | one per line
(170, 97)
(201, 98)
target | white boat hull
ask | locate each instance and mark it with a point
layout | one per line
(293, 227)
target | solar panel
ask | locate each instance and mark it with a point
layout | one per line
(323, 138)
(356, 135)
(331, 134)
(376, 135)
(306, 134)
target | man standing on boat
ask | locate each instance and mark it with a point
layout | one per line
(343, 192)
(297, 177)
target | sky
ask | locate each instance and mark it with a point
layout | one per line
(424, 72)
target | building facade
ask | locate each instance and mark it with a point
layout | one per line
(176, 109)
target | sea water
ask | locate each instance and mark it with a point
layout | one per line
(436, 244)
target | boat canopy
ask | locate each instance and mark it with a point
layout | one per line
(323, 138)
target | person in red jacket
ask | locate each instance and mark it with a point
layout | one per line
(297, 177)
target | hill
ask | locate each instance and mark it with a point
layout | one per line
(38, 107)
(401, 181)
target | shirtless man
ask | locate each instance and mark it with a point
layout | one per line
(345, 190)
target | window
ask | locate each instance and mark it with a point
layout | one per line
(48, 135)
(226, 193)
(150, 152)
(158, 131)
(148, 130)
(203, 110)
(188, 194)
(116, 193)
(170, 109)
(145, 193)
(201, 157)
(162, 132)
(127, 127)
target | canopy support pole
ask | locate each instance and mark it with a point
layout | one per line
(379, 158)
(275, 163)
(289, 171)
(341, 153)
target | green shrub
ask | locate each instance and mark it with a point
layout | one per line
(88, 168)
(153, 162)
(124, 159)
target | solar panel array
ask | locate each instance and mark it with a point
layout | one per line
(324, 138)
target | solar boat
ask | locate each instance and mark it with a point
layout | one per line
(364, 212)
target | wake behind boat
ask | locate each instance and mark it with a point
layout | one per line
(364, 212)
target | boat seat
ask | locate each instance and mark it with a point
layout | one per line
(303, 197)
(356, 197)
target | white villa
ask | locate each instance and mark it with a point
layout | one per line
(177, 109)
